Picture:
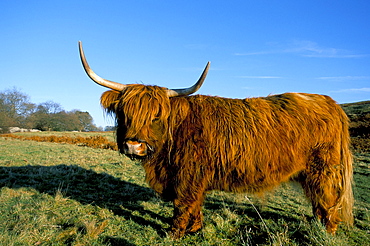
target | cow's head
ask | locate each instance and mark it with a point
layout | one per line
(142, 112)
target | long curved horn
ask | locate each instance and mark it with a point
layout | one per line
(190, 90)
(103, 82)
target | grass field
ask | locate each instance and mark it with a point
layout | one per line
(63, 194)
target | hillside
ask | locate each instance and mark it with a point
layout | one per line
(359, 114)
(357, 108)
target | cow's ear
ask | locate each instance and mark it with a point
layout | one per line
(109, 100)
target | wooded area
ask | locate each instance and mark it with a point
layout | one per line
(16, 110)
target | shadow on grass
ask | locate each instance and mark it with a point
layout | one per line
(262, 221)
(118, 242)
(124, 198)
(87, 187)
(121, 197)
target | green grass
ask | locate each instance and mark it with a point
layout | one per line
(61, 194)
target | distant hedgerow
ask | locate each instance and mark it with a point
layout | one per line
(97, 142)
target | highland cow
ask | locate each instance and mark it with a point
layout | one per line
(189, 145)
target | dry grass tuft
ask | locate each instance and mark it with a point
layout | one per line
(97, 142)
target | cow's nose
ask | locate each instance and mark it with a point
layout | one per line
(132, 147)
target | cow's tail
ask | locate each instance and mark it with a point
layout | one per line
(346, 200)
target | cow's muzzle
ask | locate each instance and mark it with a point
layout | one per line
(137, 148)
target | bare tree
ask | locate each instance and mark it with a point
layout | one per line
(15, 107)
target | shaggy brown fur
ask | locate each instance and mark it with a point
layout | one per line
(202, 143)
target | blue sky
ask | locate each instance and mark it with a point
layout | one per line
(256, 48)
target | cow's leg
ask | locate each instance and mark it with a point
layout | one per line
(187, 216)
(322, 182)
(196, 220)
